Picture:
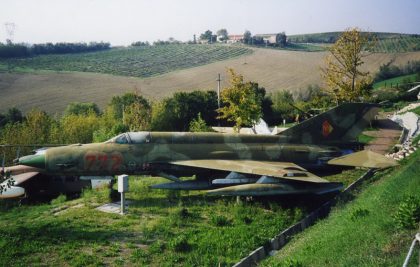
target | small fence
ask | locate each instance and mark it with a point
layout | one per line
(284, 237)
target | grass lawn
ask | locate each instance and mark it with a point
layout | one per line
(394, 81)
(364, 232)
(161, 229)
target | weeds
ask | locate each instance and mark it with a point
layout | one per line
(408, 213)
(359, 213)
(59, 200)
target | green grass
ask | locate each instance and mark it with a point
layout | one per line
(365, 139)
(394, 81)
(416, 110)
(363, 232)
(161, 229)
(135, 61)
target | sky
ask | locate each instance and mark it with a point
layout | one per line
(125, 21)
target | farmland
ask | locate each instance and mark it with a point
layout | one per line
(386, 42)
(398, 44)
(273, 69)
(134, 61)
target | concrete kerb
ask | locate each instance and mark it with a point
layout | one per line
(280, 240)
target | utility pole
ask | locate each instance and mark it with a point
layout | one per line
(10, 31)
(218, 91)
(218, 95)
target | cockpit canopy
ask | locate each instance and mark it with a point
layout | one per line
(131, 138)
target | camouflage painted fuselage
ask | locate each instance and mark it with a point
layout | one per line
(150, 153)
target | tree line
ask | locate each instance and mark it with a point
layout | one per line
(388, 70)
(11, 50)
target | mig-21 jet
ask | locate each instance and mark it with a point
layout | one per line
(228, 164)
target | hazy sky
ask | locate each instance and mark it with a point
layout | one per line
(125, 21)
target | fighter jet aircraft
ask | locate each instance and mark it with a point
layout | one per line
(229, 164)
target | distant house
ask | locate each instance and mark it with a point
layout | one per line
(273, 38)
(235, 38)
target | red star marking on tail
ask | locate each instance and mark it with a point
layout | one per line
(326, 128)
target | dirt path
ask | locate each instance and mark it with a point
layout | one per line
(385, 137)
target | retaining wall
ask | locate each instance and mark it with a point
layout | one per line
(285, 236)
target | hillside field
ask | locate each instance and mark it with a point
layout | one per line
(273, 69)
(386, 42)
(394, 81)
(132, 61)
(365, 232)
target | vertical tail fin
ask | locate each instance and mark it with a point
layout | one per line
(340, 124)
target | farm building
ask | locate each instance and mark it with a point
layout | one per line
(273, 38)
(235, 38)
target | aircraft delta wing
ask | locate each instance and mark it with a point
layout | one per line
(282, 170)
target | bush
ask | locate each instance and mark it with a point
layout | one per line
(157, 247)
(180, 244)
(408, 213)
(60, 199)
(359, 213)
(292, 263)
(219, 220)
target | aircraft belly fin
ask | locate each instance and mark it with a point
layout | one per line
(364, 158)
(280, 170)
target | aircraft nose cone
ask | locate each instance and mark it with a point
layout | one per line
(37, 161)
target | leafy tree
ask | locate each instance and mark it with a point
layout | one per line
(14, 115)
(162, 117)
(77, 108)
(140, 43)
(37, 128)
(281, 39)
(79, 128)
(247, 37)
(199, 125)
(223, 34)
(175, 113)
(137, 116)
(281, 105)
(242, 102)
(120, 103)
(342, 74)
(108, 126)
(208, 35)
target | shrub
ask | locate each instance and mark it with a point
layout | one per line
(60, 199)
(180, 244)
(408, 213)
(219, 220)
(292, 263)
(359, 213)
(157, 247)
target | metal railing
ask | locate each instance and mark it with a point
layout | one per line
(410, 252)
